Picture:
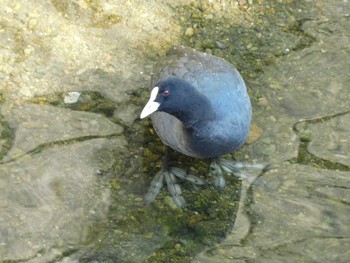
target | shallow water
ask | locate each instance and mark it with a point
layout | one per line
(73, 170)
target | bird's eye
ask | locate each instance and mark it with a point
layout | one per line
(166, 93)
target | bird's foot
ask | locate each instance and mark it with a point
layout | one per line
(169, 176)
(220, 166)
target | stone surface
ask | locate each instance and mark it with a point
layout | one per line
(72, 177)
(41, 125)
(51, 200)
(301, 213)
(331, 139)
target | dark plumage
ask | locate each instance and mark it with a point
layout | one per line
(200, 107)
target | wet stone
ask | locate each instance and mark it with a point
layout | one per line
(313, 82)
(72, 180)
(50, 202)
(331, 139)
(293, 208)
(37, 125)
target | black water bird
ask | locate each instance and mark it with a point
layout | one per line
(199, 106)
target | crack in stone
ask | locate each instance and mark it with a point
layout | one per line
(60, 143)
(305, 157)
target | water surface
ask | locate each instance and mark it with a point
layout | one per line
(75, 166)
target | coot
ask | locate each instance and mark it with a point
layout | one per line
(200, 107)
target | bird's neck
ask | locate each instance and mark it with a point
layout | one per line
(197, 114)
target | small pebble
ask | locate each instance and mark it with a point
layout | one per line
(220, 45)
(217, 7)
(189, 32)
(71, 97)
